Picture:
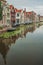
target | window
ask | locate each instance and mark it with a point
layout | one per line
(8, 14)
(8, 21)
(7, 8)
(17, 20)
(17, 14)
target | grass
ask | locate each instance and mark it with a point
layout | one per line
(10, 34)
(13, 33)
(1, 27)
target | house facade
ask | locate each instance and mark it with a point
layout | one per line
(12, 16)
(19, 17)
(25, 18)
(28, 16)
(8, 15)
(41, 18)
(5, 13)
(32, 17)
(12, 13)
(22, 17)
(2, 2)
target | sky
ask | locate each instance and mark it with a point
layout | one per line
(30, 5)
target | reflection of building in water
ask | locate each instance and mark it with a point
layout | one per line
(30, 28)
(5, 43)
(22, 34)
(3, 50)
(10, 40)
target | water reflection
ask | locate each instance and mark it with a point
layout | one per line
(3, 50)
(6, 43)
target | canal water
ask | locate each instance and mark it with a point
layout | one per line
(25, 48)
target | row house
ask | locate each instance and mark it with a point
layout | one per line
(19, 16)
(41, 18)
(36, 18)
(25, 18)
(5, 13)
(28, 15)
(32, 17)
(22, 17)
(12, 13)
(0, 12)
(12, 16)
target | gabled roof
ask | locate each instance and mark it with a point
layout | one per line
(41, 16)
(18, 10)
(15, 9)
(11, 6)
(29, 13)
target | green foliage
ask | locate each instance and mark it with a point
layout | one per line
(0, 11)
(9, 34)
(13, 33)
(1, 27)
(0, 3)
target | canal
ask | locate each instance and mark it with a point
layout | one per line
(24, 48)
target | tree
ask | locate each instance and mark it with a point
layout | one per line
(0, 11)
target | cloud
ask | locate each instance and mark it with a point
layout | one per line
(37, 9)
(30, 5)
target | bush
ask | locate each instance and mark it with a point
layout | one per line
(1, 27)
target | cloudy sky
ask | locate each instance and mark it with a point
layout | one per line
(30, 5)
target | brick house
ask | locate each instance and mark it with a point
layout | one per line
(12, 13)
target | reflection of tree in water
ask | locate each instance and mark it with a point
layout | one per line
(28, 29)
(31, 29)
(22, 34)
(3, 50)
(11, 40)
(5, 43)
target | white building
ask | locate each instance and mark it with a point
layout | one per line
(6, 13)
(19, 17)
(22, 17)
